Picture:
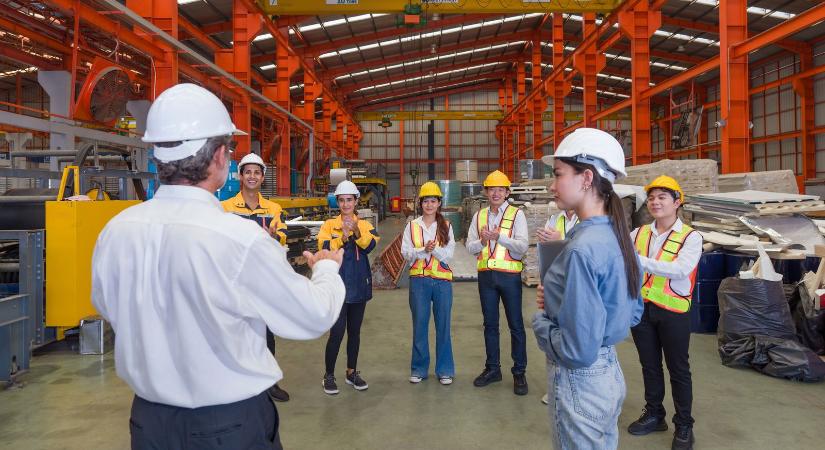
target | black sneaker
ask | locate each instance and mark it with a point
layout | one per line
(647, 424)
(487, 376)
(329, 384)
(683, 438)
(519, 384)
(278, 394)
(354, 379)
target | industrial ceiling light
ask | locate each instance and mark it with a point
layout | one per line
(385, 122)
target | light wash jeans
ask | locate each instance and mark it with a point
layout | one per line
(585, 403)
(426, 293)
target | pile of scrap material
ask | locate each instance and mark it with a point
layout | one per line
(299, 239)
(388, 266)
(738, 220)
(695, 176)
(536, 215)
(783, 181)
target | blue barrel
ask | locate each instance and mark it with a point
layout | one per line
(454, 217)
(154, 183)
(233, 183)
(332, 200)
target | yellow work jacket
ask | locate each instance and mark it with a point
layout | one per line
(268, 214)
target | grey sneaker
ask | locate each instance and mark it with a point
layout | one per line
(354, 379)
(329, 384)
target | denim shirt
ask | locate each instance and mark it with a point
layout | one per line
(586, 305)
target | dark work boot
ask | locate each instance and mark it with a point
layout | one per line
(487, 376)
(683, 438)
(646, 424)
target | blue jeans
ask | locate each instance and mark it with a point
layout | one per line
(492, 286)
(585, 403)
(426, 292)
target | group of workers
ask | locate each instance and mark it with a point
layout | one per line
(191, 291)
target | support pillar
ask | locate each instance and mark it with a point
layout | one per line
(286, 66)
(164, 15)
(58, 85)
(804, 88)
(560, 87)
(589, 63)
(734, 85)
(539, 101)
(639, 25)
(447, 139)
(402, 174)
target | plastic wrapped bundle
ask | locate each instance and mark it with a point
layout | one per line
(695, 176)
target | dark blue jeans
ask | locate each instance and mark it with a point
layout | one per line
(492, 286)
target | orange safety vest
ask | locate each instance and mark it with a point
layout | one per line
(501, 260)
(432, 267)
(656, 288)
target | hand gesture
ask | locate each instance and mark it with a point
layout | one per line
(337, 256)
(347, 226)
(540, 297)
(430, 246)
(547, 234)
(483, 235)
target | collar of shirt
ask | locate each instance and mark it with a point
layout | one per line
(241, 203)
(677, 227)
(181, 192)
(597, 220)
(420, 220)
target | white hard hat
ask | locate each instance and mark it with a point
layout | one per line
(188, 113)
(595, 147)
(347, 187)
(251, 158)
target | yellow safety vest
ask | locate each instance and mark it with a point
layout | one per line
(656, 288)
(432, 268)
(501, 260)
(560, 224)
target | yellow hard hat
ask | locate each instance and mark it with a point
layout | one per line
(429, 189)
(497, 179)
(666, 182)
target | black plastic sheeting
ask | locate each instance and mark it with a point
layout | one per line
(810, 326)
(756, 330)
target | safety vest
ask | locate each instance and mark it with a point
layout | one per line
(501, 260)
(656, 288)
(432, 267)
(560, 224)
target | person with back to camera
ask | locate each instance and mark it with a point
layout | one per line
(590, 296)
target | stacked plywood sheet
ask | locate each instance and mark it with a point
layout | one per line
(536, 215)
(694, 175)
(769, 181)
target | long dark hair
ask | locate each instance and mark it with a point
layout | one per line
(442, 233)
(613, 205)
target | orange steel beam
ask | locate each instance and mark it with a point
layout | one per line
(800, 22)
(540, 101)
(197, 34)
(521, 127)
(447, 139)
(217, 27)
(714, 29)
(638, 25)
(589, 63)
(560, 88)
(425, 95)
(325, 47)
(401, 155)
(804, 87)
(164, 15)
(347, 90)
(412, 56)
(733, 76)
(43, 40)
(28, 58)
(362, 104)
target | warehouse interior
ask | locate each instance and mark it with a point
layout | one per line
(727, 97)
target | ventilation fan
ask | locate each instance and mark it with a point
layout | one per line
(104, 94)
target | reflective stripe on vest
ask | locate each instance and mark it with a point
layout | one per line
(501, 260)
(421, 268)
(657, 288)
(561, 224)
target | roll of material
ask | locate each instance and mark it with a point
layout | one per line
(531, 169)
(451, 190)
(338, 175)
(454, 217)
(471, 190)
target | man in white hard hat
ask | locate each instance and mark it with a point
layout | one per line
(250, 204)
(190, 291)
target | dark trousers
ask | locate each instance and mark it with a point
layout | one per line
(492, 286)
(663, 331)
(247, 424)
(352, 315)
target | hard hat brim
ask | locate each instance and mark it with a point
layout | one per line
(182, 151)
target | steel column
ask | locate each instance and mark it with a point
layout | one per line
(560, 87)
(734, 84)
(164, 15)
(804, 88)
(589, 63)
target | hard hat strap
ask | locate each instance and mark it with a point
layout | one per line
(599, 165)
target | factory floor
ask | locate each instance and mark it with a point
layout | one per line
(68, 401)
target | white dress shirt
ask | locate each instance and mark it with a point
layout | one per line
(412, 254)
(679, 270)
(517, 244)
(190, 289)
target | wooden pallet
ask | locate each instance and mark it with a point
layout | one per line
(530, 281)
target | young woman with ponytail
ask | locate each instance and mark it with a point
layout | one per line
(589, 298)
(428, 245)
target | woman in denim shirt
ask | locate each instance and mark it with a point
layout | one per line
(592, 295)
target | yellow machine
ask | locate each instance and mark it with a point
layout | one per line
(72, 228)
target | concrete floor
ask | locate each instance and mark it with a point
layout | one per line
(77, 402)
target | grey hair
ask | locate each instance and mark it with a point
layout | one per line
(191, 170)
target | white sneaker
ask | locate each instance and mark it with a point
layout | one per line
(445, 380)
(415, 380)
(545, 399)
